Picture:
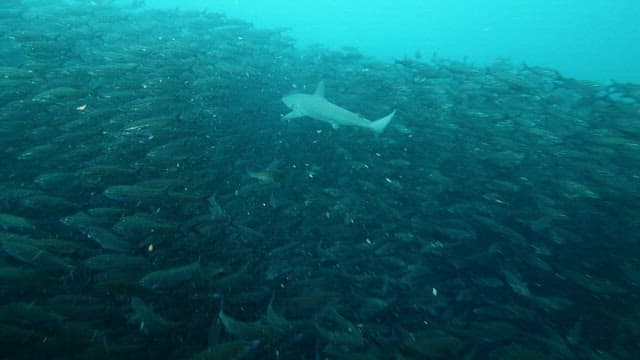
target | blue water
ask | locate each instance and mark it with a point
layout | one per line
(590, 40)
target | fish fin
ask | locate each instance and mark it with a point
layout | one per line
(379, 125)
(293, 115)
(320, 89)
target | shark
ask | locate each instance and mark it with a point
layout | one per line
(317, 107)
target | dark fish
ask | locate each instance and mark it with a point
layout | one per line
(13, 222)
(59, 94)
(230, 350)
(140, 225)
(35, 256)
(108, 262)
(106, 239)
(148, 321)
(28, 314)
(247, 330)
(171, 277)
(134, 193)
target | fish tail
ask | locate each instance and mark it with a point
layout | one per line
(379, 125)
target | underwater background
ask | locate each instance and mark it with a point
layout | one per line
(590, 40)
(184, 184)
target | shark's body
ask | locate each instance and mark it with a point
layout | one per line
(316, 106)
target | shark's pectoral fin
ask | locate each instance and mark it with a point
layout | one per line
(320, 89)
(292, 115)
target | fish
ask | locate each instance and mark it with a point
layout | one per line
(13, 222)
(249, 330)
(133, 193)
(58, 94)
(270, 174)
(237, 349)
(35, 256)
(265, 176)
(24, 314)
(107, 262)
(148, 321)
(106, 239)
(317, 107)
(171, 277)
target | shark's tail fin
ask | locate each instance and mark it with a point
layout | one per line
(379, 125)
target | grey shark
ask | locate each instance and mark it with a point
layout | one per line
(316, 106)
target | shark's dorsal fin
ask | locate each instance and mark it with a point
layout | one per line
(320, 89)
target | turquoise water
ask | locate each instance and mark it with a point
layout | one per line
(590, 40)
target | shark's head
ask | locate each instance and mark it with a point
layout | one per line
(289, 100)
